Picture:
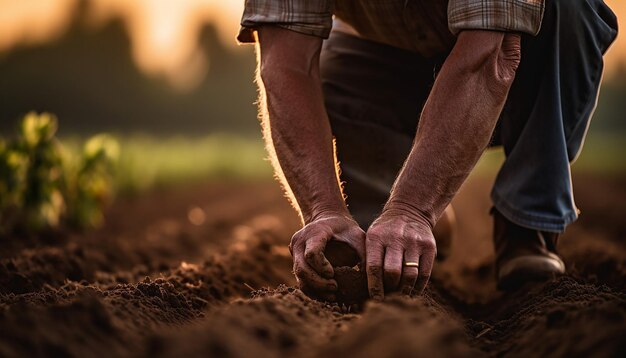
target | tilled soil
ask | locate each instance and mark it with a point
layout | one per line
(151, 283)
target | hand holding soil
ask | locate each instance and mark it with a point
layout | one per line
(328, 257)
(313, 270)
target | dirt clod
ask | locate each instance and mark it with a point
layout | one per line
(352, 285)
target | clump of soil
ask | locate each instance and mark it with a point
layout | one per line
(351, 279)
(352, 285)
(349, 273)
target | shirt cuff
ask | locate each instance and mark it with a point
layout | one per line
(246, 32)
(313, 18)
(499, 15)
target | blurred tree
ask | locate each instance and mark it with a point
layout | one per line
(89, 80)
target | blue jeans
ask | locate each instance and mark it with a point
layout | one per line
(374, 94)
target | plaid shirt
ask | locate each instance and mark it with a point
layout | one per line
(424, 26)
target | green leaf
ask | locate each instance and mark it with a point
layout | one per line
(102, 146)
(36, 128)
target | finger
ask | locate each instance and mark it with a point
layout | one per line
(307, 276)
(314, 256)
(409, 274)
(393, 268)
(374, 269)
(426, 267)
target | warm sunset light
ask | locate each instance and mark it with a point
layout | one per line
(616, 57)
(32, 21)
(164, 33)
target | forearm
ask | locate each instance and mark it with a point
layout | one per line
(296, 126)
(456, 124)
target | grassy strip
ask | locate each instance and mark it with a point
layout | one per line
(601, 155)
(147, 161)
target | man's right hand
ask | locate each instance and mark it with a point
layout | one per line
(310, 265)
(300, 144)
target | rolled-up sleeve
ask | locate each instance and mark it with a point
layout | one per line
(499, 15)
(310, 17)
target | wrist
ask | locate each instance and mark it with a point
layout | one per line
(396, 208)
(326, 211)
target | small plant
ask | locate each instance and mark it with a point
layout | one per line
(90, 188)
(43, 187)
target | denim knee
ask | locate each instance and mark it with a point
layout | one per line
(582, 30)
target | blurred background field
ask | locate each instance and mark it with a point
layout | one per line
(168, 80)
(147, 161)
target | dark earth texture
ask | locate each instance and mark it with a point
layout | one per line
(151, 283)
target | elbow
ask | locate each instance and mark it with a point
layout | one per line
(495, 56)
(508, 60)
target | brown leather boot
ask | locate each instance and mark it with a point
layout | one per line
(523, 255)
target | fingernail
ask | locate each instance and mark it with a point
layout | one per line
(332, 286)
(377, 298)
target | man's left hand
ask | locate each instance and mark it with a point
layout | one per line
(394, 240)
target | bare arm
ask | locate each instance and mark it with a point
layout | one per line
(457, 122)
(300, 130)
(299, 138)
(455, 127)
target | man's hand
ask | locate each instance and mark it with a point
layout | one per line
(312, 268)
(455, 127)
(394, 239)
